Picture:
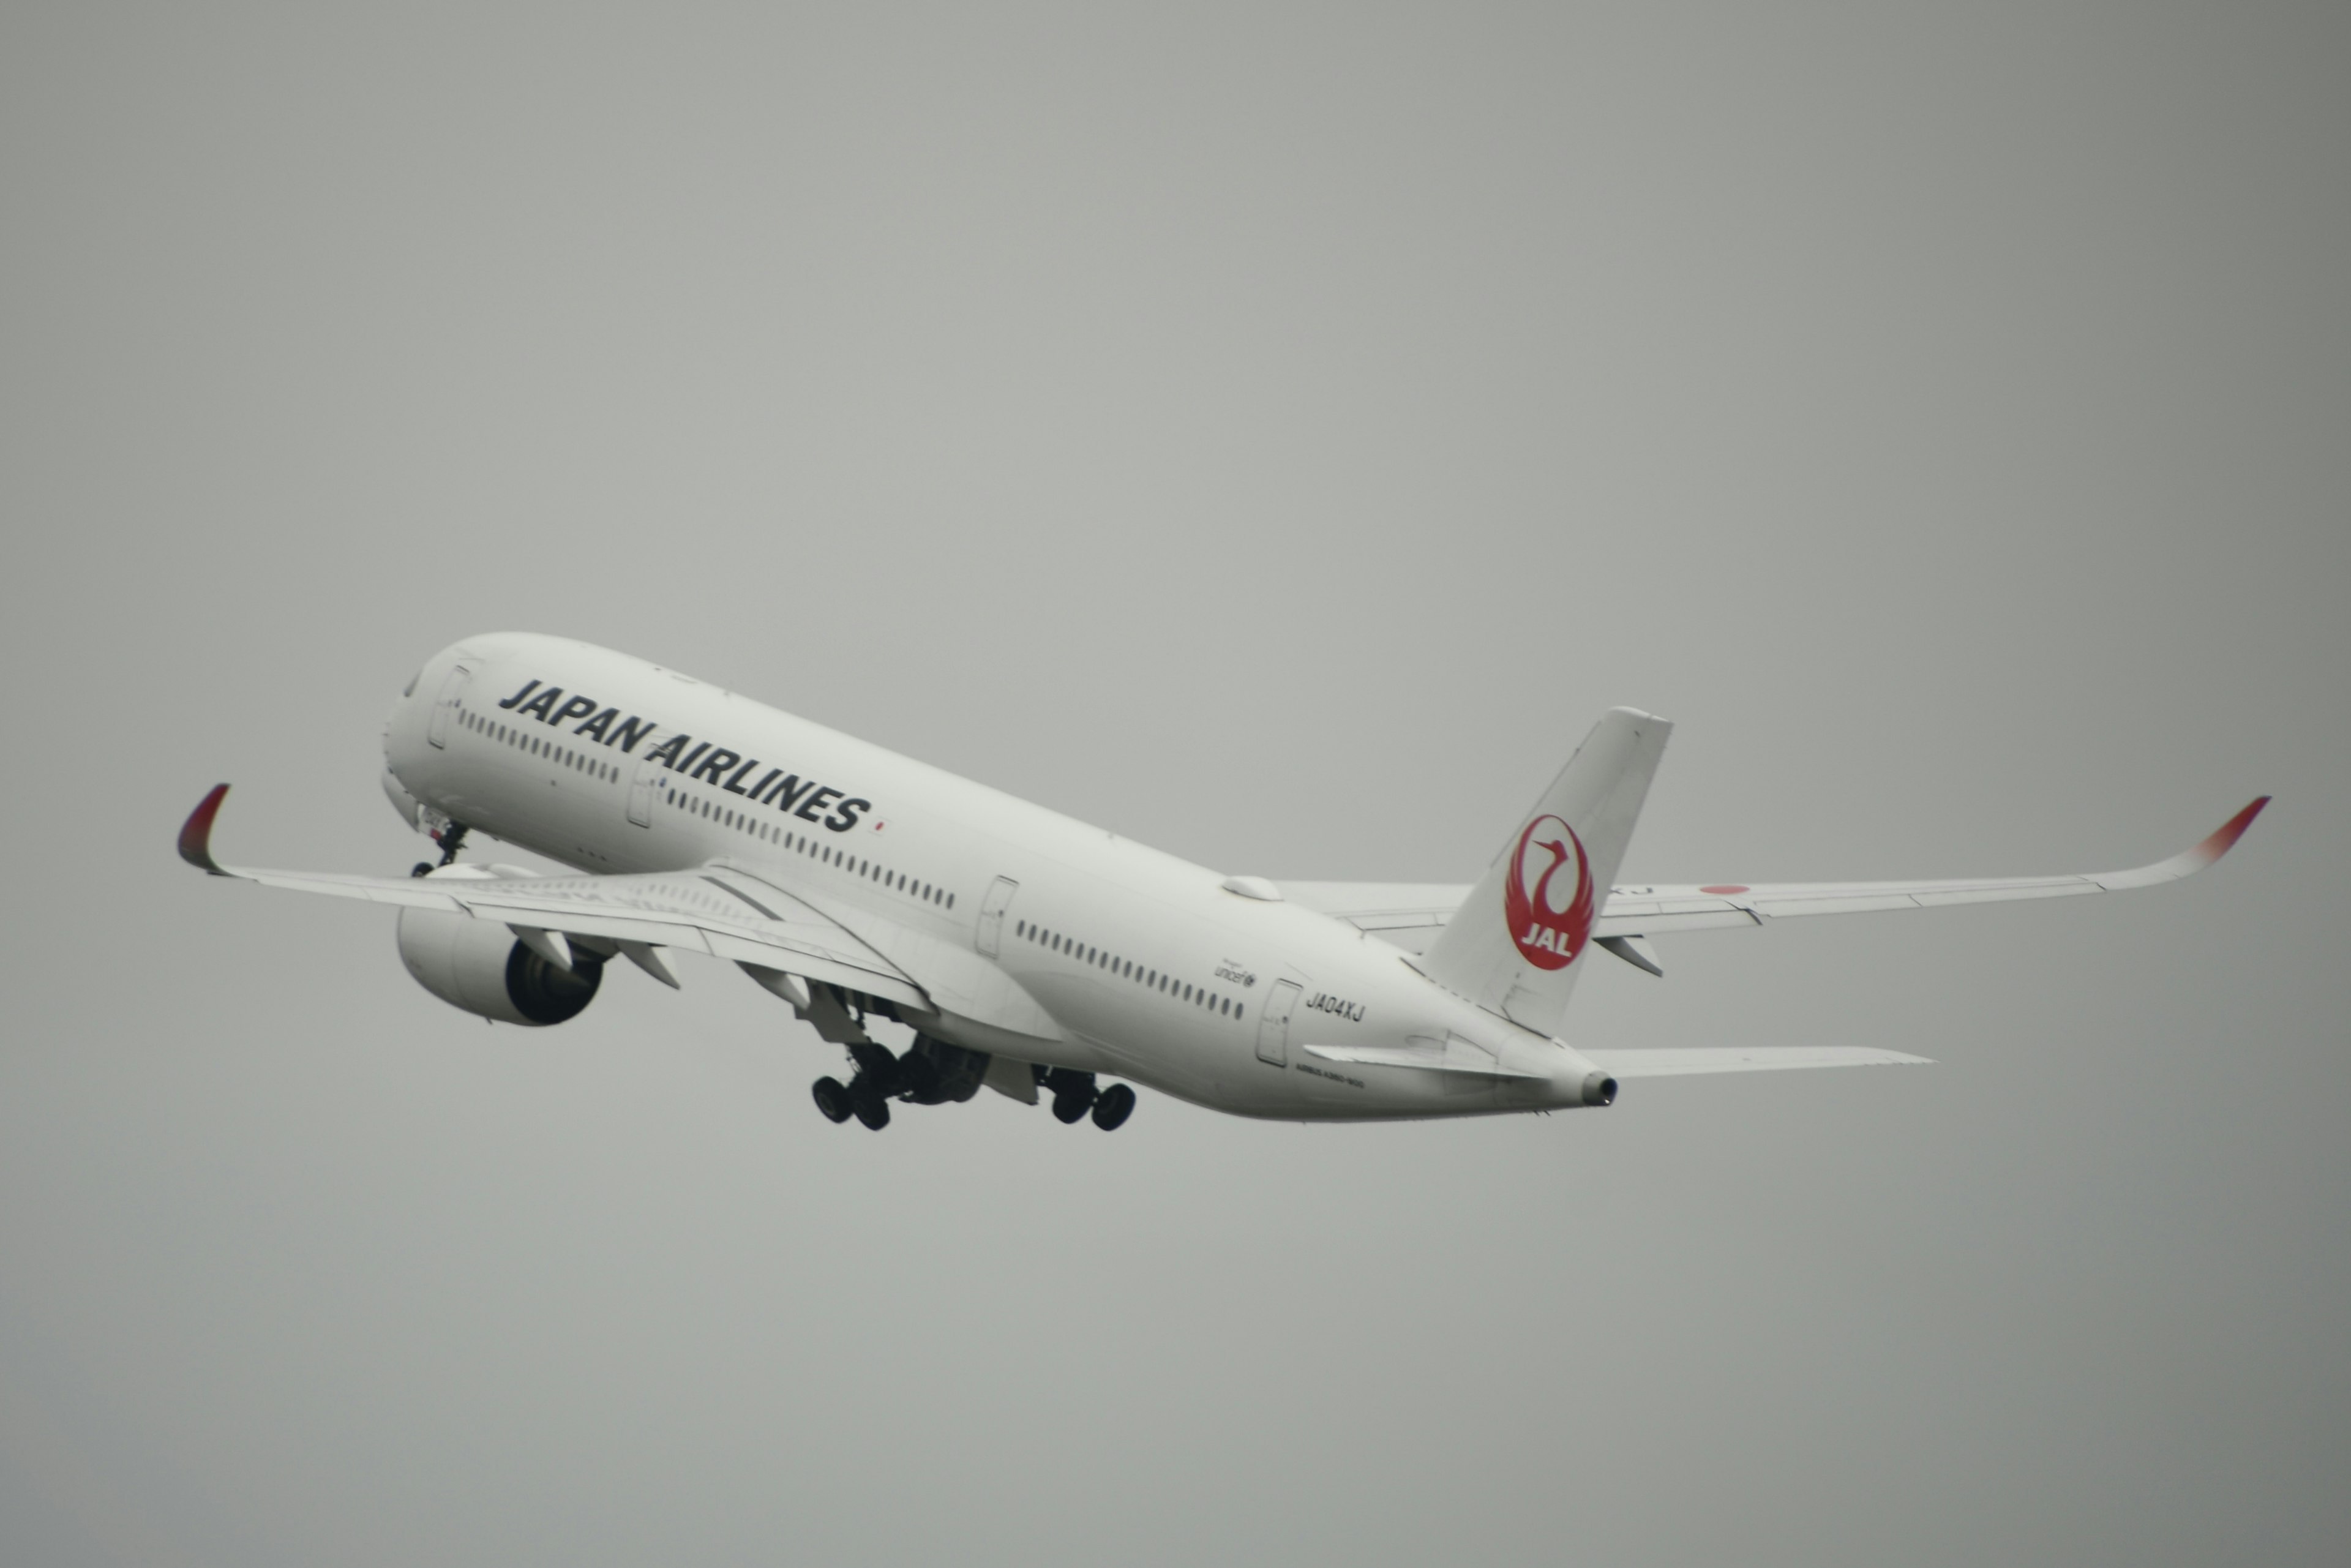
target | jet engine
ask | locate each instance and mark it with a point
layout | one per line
(481, 966)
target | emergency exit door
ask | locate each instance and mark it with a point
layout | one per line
(445, 706)
(1274, 1028)
(641, 789)
(990, 937)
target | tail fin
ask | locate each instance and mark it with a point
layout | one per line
(1517, 943)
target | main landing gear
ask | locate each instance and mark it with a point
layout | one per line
(1074, 1095)
(880, 1078)
(934, 1072)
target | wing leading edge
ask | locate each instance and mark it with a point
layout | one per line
(1410, 914)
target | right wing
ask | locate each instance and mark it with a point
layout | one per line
(1410, 914)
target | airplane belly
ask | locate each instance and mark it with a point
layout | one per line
(1158, 1047)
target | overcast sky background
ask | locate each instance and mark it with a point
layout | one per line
(1274, 433)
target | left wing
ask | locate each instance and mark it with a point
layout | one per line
(719, 910)
(1411, 914)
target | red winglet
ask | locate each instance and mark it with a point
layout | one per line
(2226, 838)
(197, 832)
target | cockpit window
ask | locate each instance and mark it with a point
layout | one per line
(410, 690)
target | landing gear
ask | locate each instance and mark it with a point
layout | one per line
(918, 1079)
(1073, 1092)
(1113, 1106)
(1074, 1095)
(868, 1094)
(833, 1099)
(451, 838)
(873, 1112)
(932, 1072)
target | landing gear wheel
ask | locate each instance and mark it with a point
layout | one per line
(831, 1099)
(918, 1079)
(1070, 1109)
(872, 1110)
(1115, 1105)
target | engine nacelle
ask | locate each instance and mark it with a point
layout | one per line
(478, 966)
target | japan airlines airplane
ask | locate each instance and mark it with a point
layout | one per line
(1028, 952)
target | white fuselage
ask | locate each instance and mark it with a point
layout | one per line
(1145, 967)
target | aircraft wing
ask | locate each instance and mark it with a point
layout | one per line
(1410, 914)
(721, 911)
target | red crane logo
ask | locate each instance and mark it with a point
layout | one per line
(1548, 936)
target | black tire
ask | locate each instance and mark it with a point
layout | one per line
(1114, 1105)
(1070, 1109)
(873, 1112)
(918, 1079)
(831, 1099)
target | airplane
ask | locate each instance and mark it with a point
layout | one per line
(1029, 952)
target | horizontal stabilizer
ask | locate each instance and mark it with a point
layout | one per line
(1429, 1056)
(1677, 1061)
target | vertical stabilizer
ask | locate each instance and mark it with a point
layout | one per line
(1516, 946)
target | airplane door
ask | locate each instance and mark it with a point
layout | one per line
(445, 706)
(1274, 1026)
(991, 915)
(641, 792)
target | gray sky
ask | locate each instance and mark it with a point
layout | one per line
(1273, 433)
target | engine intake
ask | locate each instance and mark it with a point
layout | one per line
(479, 966)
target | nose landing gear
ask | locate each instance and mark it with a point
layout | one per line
(451, 838)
